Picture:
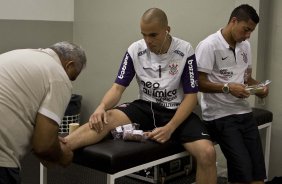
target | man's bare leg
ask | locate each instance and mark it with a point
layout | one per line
(84, 135)
(204, 152)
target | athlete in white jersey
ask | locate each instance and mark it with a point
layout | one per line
(224, 65)
(166, 72)
(161, 78)
(227, 66)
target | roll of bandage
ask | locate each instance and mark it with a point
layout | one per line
(73, 127)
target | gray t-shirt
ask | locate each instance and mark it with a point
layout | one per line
(31, 81)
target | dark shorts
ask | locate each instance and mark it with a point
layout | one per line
(142, 112)
(9, 175)
(240, 142)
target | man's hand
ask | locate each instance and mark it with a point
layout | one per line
(67, 155)
(263, 93)
(238, 90)
(98, 119)
(160, 134)
(46, 144)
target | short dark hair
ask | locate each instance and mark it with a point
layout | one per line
(245, 12)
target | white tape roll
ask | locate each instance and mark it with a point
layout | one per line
(73, 127)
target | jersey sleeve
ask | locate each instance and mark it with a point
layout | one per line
(189, 76)
(205, 57)
(249, 55)
(126, 71)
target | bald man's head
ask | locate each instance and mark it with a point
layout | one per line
(155, 15)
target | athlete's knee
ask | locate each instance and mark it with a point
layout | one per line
(114, 118)
(110, 115)
(206, 156)
(110, 118)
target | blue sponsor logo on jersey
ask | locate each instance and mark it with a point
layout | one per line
(152, 89)
(179, 52)
(123, 68)
(191, 73)
(226, 73)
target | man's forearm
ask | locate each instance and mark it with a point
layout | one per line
(52, 154)
(184, 110)
(59, 153)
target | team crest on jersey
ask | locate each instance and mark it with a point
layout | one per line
(245, 59)
(173, 69)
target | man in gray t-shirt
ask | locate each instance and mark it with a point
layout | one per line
(34, 93)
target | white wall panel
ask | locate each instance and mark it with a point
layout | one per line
(51, 10)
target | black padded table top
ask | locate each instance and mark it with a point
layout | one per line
(112, 156)
(262, 116)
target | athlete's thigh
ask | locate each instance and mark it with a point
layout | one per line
(192, 129)
(138, 112)
(233, 146)
(116, 117)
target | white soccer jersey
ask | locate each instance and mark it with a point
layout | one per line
(161, 78)
(223, 65)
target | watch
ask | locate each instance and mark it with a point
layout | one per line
(225, 88)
